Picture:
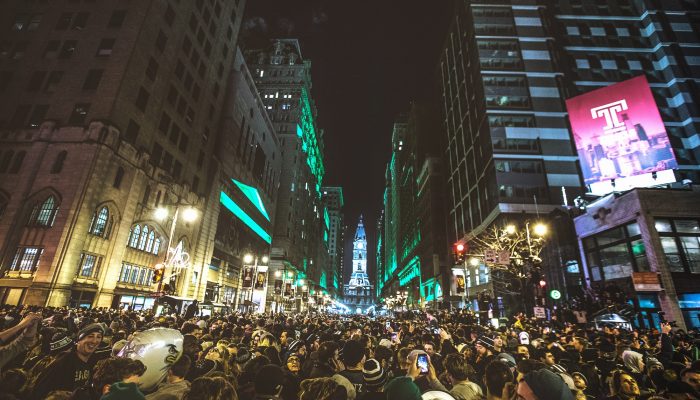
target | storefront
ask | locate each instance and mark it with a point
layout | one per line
(135, 303)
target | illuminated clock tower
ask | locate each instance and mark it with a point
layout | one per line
(358, 293)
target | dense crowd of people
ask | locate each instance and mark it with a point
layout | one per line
(59, 353)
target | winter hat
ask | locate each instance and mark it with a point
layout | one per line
(545, 384)
(485, 341)
(60, 341)
(580, 375)
(294, 345)
(353, 351)
(269, 380)
(123, 391)
(507, 359)
(373, 373)
(402, 388)
(386, 343)
(92, 328)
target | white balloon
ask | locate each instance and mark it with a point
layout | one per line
(157, 349)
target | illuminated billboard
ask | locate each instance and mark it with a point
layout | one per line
(619, 136)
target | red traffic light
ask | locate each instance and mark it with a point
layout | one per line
(460, 247)
(543, 283)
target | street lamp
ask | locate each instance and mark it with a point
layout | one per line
(189, 214)
(540, 229)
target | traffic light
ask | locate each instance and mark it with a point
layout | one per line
(543, 283)
(158, 273)
(460, 250)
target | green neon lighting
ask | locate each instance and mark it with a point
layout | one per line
(238, 212)
(307, 132)
(325, 236)
(411, 271)
(326, 218)
(254, 196)
(322, 280)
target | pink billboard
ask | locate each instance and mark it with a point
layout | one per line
(619, 133)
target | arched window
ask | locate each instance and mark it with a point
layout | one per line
(149, 243)
(156, 246)
(134, 239)
(46, 213)
(17, 162)
(57, 166)
(99, 226)
(5, 161)
(144, 236)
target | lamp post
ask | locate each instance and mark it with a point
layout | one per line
(189, 214)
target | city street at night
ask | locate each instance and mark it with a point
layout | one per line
(327, 200)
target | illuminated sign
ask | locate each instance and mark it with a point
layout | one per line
(244, 217)
(254, 196)
(620, 136)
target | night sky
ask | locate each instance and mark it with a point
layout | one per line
(369, 60)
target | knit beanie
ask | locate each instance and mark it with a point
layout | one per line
(123, 391)
(485, 341)
(373, 373)
(92, 328)
(402, 388)
(243, 355)
(60, 341)
(545, 384)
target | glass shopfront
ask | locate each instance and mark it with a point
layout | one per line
(690, 306)
(135, 302)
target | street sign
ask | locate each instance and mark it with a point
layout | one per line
(555, 294)
(504, 257)
(540, 312)
(490, 256)
(646, 281)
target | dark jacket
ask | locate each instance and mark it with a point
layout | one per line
(322, 370)
(68, 372)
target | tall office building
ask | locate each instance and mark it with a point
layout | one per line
(505, 70)
(299, 244)
(334, 202)
(414, 241)
(109, 111)
(652, 233)
(250, 157)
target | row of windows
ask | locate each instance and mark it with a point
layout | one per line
(519, 166)
(55, 49)
(522, 192)
(144, 238)
(77, 21)
(26, 259)
(135, 274)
